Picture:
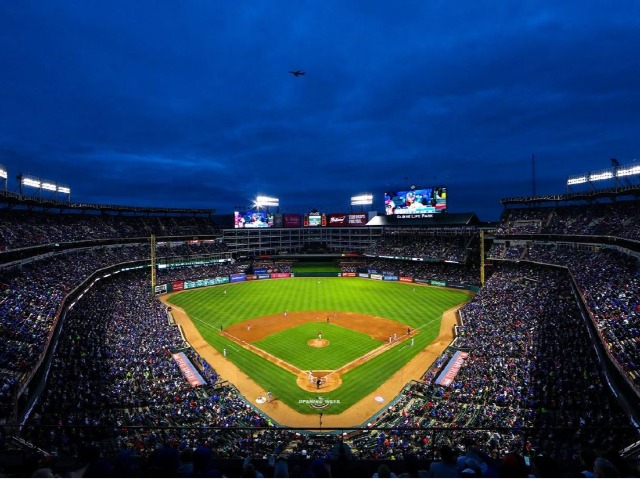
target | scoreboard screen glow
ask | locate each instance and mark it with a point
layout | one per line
(253, 220)
(416, 202)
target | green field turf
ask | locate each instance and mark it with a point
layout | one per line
(417, 306)
(344, 346)
(310, 267)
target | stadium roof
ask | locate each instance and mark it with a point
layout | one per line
(19, 200)
(590, 195)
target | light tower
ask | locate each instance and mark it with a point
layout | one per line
(361, 199)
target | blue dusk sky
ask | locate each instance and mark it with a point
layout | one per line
(191, 103)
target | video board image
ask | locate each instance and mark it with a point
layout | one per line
(416, 201)
(253, 220)
(315, 219)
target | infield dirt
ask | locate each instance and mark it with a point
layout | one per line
(282, 414)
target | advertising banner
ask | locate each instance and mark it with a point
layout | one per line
(451, 370)
(160, 289)
(375, 276)
(177, 285)
(406, 279)
(438, 283)
(258, 271)
(251, 277)
(363, 275)
(193, 284)
(357, 219)
(237, 277)
(337, 219)
(188, 370)
(290, 220)
(348, 274)
(280, 275)
(390, 277)
(263, 276)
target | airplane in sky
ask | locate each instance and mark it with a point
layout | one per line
(297, 73)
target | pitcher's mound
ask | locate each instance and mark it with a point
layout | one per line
(318, 342)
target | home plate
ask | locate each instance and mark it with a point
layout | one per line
(379, 399)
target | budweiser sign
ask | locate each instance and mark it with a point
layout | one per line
(337, 219)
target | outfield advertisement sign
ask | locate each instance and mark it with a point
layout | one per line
(237, 277)
(177, 285)
(393, 278)
(438, 283)
(160, 289)
(188, 370)
(375, 276)
(405, 279)
(280, 275)
(348, 274)
(263, 276)
(205, 282)
(421, 280)
(363, 275)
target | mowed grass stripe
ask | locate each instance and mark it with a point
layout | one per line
(417, 306)
(247, 300)
(292, 346)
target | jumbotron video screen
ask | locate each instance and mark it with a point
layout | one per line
(416, 202)
(253, 220)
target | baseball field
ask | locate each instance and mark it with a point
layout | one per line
(317, 344)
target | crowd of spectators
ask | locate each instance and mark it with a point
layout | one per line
(618, 219)
(109, 372)
(609, 281)
(451, 244)
(31, 295)
(531, 363)
(26, 228)
(273, 266)
(424, 271)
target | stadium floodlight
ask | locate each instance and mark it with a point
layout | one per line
(628, 170)
(31, 182)
(3, 172)
(364, 199)
(603, 175)
(577, 180)
(63, 189)
(262, 201)
(46, 185)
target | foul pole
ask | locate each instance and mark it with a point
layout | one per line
(482, 258)
(153, 264)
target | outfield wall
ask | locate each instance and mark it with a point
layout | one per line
(179, 285)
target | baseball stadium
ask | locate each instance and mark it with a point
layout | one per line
(169, 342)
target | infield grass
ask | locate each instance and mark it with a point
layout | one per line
(344, 346)
(419, 307)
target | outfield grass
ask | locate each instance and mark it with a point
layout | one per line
(312, 267)
(419, 307)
